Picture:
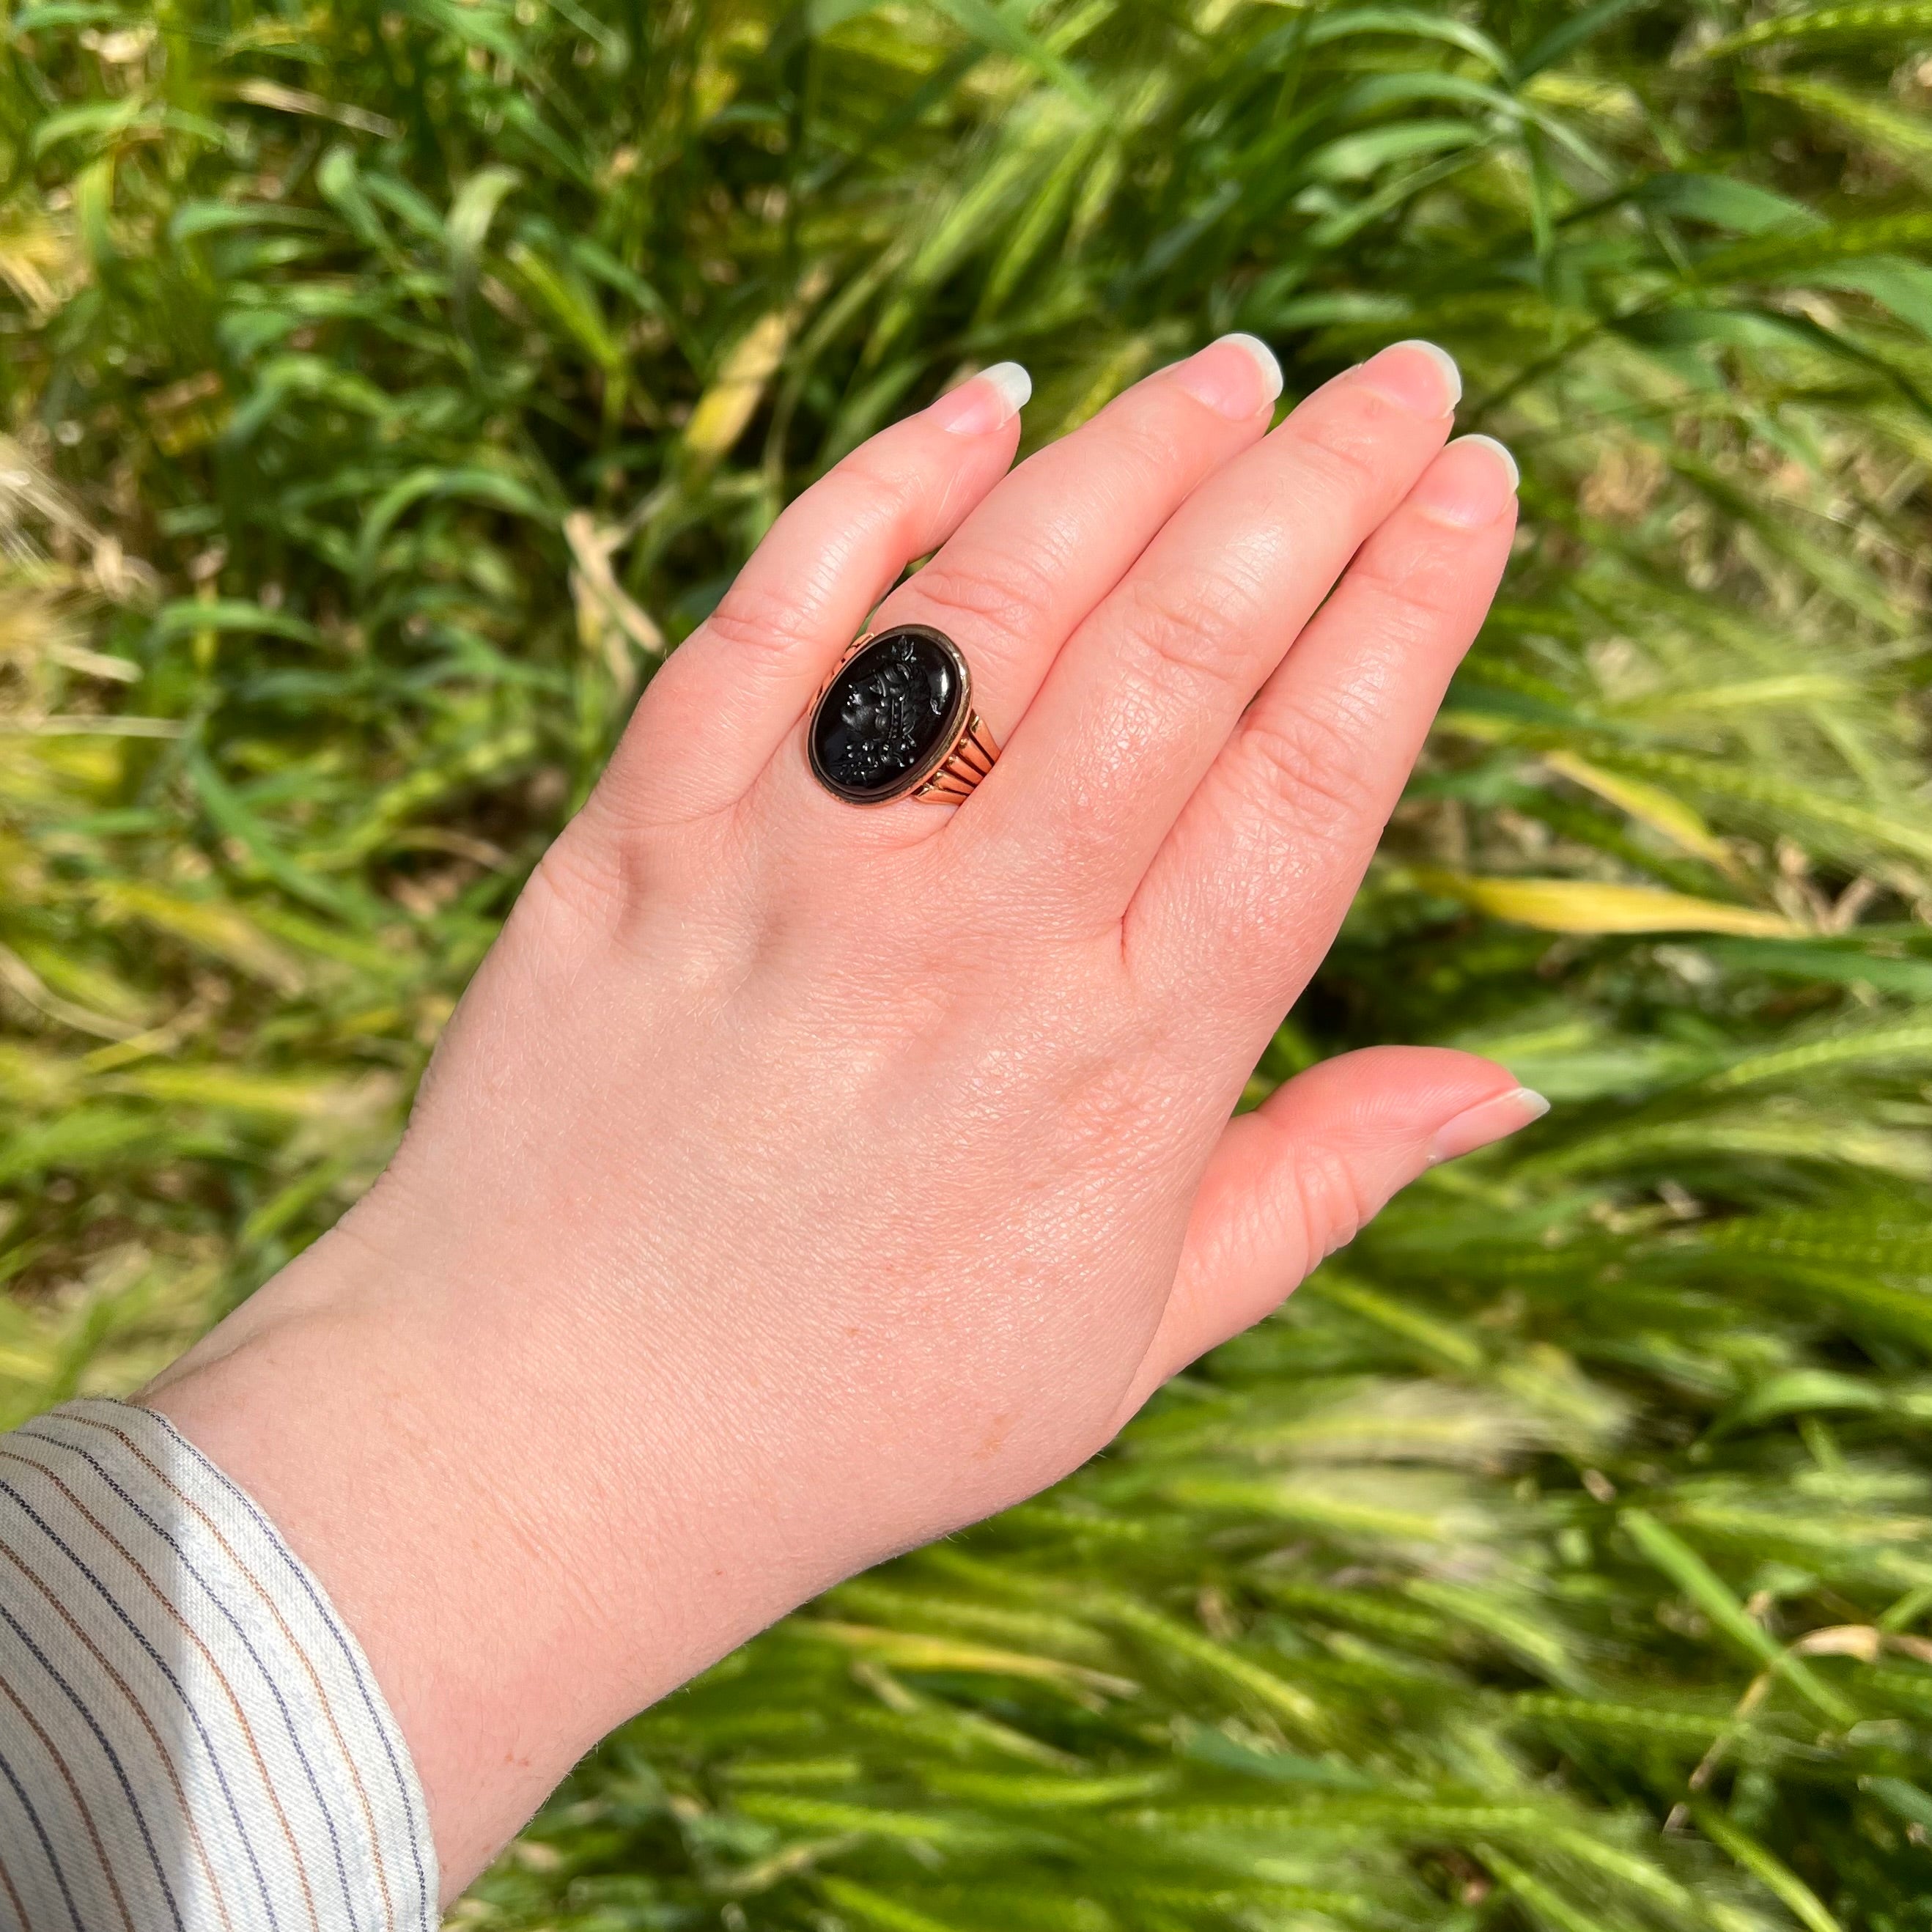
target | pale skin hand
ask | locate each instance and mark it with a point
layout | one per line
(798, 1181)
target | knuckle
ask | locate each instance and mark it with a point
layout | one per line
(1007, 592)
(867, 504)
(582, 885)
(1335, 1205)
(1178, 628)
(1149, 435)
(1410, 596)
(757, 619)
(1316, 768)
(871, 482)
(1346, 452)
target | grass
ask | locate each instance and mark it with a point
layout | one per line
(385, 390)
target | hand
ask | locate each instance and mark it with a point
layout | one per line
(798, 1180)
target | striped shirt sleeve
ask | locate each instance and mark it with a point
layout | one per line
(190, 1740)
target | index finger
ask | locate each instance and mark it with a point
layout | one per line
(709, 722)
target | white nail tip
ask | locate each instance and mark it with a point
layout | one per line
(1503, 457)
(1263, 358)
(1444, 362)
(1011, 383)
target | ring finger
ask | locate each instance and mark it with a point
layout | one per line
(1051, 540)
(1055, 536)
(1148, 690)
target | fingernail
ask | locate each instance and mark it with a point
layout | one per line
(993, 397)
(1418, 375)
(1488, 1120)
(1469, 484)
(1234, 375)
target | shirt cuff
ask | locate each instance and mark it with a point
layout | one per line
(190, 1736)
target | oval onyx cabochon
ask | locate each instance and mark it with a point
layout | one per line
(890, 715)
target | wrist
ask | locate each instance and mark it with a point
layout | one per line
(526, 1557)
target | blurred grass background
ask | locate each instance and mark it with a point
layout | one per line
(386, 389)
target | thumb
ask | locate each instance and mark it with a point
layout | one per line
(1301, 1175)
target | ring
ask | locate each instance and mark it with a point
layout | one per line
(896, 720)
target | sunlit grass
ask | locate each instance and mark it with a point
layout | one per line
(385, 390)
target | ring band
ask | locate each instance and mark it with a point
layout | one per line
(896, 720)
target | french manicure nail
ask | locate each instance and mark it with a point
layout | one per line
(1236, 376)
(1469, 484)
(1419, 375)
(993, 397)
(1488, 1120)
(1501, 451)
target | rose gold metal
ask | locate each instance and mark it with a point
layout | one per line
(845, 657)
(972, 755)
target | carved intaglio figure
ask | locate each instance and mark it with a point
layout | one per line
(889, 717)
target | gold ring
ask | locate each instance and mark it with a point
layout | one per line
(896, 720)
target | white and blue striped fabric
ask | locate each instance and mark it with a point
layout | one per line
(191, 1741)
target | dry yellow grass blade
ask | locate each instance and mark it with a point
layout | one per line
(260, 93)
(606, 613)
(719, 416)
(1584, 905)
(38, 260)
(914, 1650)
(1649, 805)
(209, 925)
(20, 979)
(234, 1090)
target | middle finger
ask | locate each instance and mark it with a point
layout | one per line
(1055, 537)
(1146, 692)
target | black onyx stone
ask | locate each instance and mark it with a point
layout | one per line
(886, 720)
